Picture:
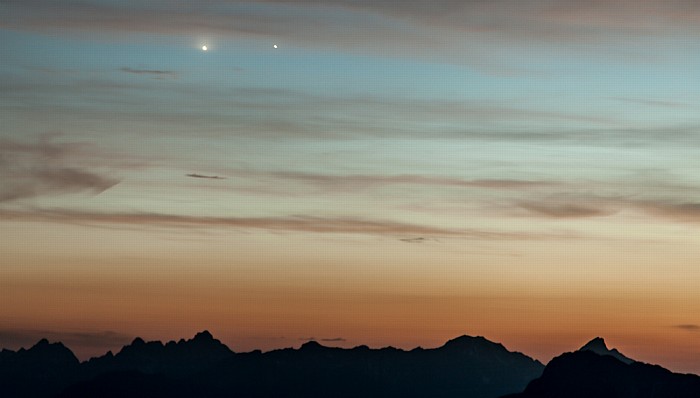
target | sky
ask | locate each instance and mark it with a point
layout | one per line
(392, 173)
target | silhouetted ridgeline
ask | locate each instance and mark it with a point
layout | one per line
(596, 371)
(204, 367)
(586, 374)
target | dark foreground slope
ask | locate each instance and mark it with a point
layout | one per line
(204, 367)
(587, 374)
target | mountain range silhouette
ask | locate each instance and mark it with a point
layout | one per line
(205, 367)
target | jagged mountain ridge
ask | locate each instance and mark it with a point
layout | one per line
(176, 358)
(203, 366)
(37, 371)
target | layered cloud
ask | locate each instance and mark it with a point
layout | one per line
(30, 170)
(457, 30)
(353, 182)
(582, 206)
(322, 225)
(546, 19)
(675, 210)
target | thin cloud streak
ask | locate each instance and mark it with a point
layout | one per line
(414, 240)
(599, 206)
(209, 177)
(162, 73)
(355, 181)
(654, 137)
(310, 224)
(688, 327)
(654, 103)
(565, 210)
(326, 340)
(334, 116)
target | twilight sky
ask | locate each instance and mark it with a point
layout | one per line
(394, 173)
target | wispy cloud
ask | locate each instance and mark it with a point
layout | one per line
(210, 177)
(454, 29)
(44, 148)
(152, 72)
(355, 181)
(691, 327)
(30, 183)
(676, 210)
(324, 225)
(565, 210)
(334, 340)
(325, 340)
(414, 240)
(34, 169)
(654, 103)
(547, 20)
(573, 206)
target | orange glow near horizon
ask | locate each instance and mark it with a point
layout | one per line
(412, 295)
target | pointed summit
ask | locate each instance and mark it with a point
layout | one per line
(203, 336)
(311, 345)
(206, 341)
(41, 343)
(598, 346)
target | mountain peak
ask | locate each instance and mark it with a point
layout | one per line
(41, 343)
(598, 346)
(203, 336)
(597, 343)
(57, 352)
(311, 345)
(470, 341)
(44, 345)
(464, 339)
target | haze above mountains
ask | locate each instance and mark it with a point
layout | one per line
(205, 367)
